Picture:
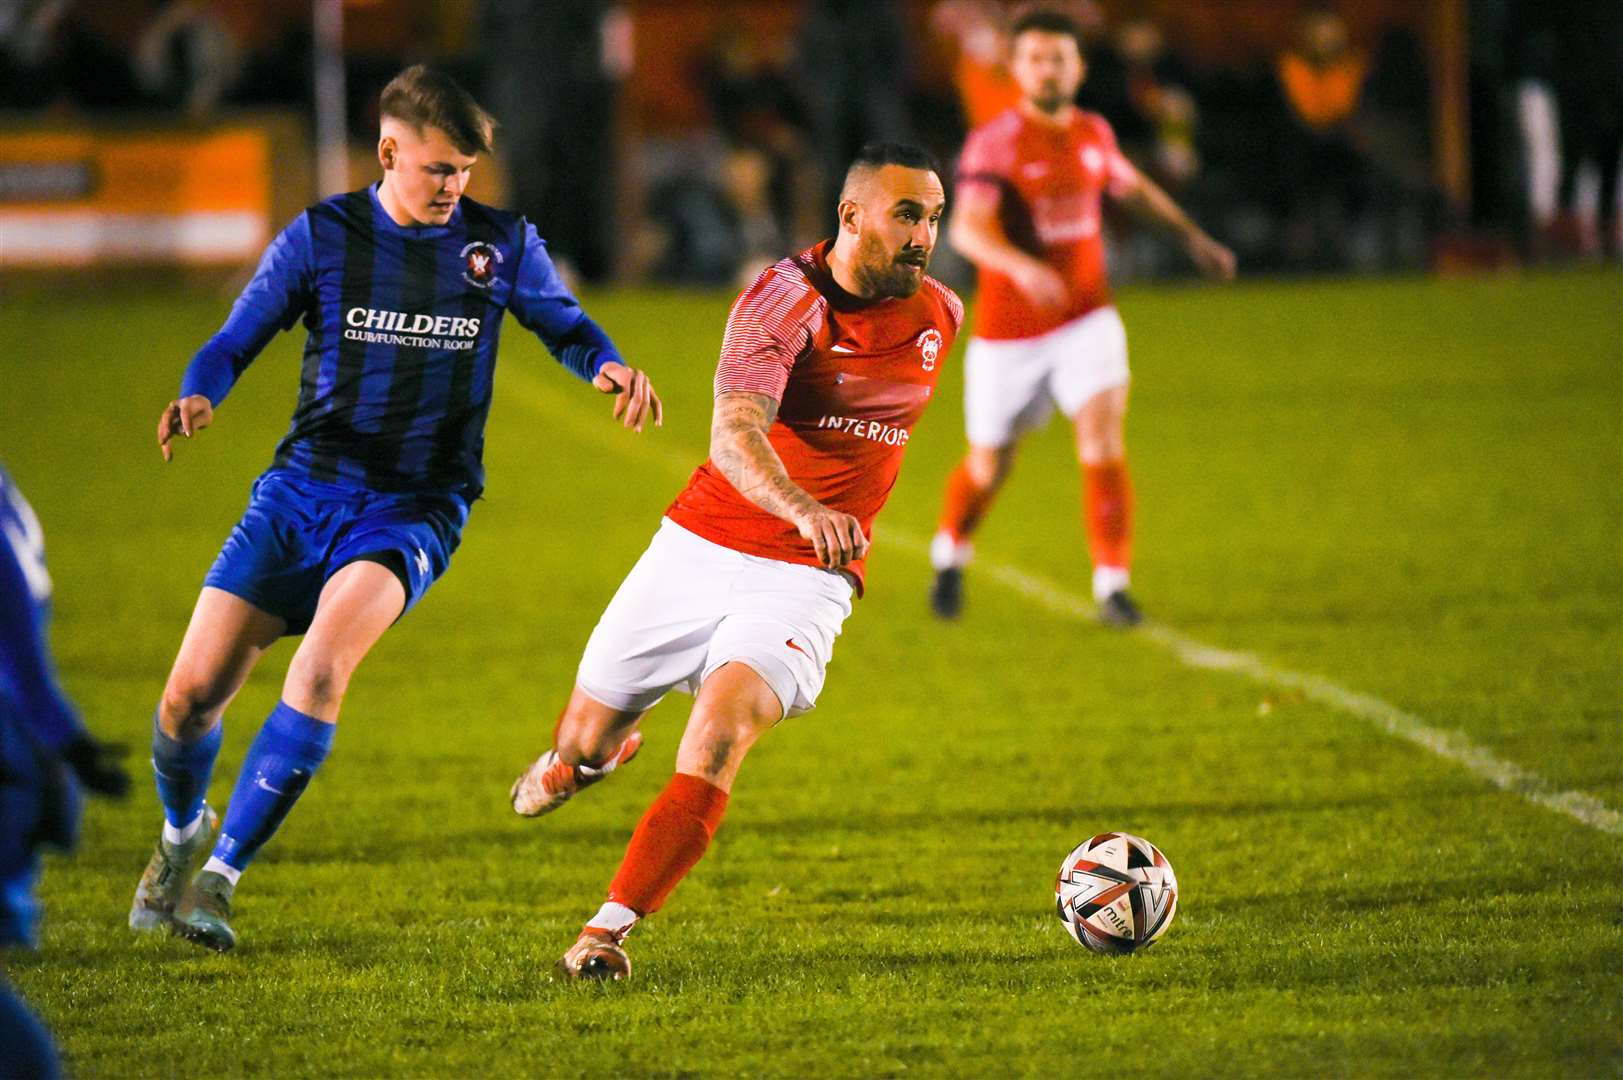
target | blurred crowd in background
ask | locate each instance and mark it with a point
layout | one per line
(692, 141)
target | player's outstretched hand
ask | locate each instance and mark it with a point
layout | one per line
(837, 538)
(1213, 259)
(185, 417)
(98, 765)
(634, 397)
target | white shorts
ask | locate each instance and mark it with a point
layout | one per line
(1011, 387)
(690, 606)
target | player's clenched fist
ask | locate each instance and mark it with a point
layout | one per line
(634, 397)
(836, 538)
(185, 417)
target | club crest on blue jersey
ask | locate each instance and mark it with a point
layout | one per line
(479, 264)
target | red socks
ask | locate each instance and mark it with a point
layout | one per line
(671, 837)
(1108, 513)
(964, 504)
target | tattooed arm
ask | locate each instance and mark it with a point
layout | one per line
(739, 448)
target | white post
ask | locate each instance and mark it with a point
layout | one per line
(332, 138)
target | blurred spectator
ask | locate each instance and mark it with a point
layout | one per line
(59, 54)
(768, 161)
(187, 57)
(1155, 114)
(1326, 179)
(1532, 59)
(553, 79)
(1588, 83)
(1322, 74)
(852, 72)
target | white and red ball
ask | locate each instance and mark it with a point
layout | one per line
(1116, 893)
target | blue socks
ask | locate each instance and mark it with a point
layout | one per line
(285, 754)
(183, 771)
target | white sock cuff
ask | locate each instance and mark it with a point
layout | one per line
(173, 836)
(615, 918)
(1108, 580)
(224, 869)
(947, 553)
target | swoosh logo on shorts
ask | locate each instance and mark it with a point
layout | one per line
(797, 648)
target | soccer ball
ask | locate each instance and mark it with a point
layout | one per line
(1116, 893)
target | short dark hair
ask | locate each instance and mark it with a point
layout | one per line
(424, 97)
(1045, 20)
(875, 155)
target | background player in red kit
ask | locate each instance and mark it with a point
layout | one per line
(828, 361)
(1027, 215)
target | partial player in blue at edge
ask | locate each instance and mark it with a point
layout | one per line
(45, 756)
(401, 287)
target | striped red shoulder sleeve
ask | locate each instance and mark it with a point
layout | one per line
(988, 156)
(770, 327)
(949, 300)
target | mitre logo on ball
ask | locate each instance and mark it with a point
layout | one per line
(479, 264)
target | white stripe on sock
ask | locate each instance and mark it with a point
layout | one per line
(224, 869)
(173, 836)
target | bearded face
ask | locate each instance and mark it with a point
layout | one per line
(890, 217)
(885, 270)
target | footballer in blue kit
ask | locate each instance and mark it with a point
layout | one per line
(402, 287)
(46, 755)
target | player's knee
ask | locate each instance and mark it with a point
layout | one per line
(718, 740)
(1101, 447)
(1099, 438)
(718, 752)
(190, 706)
(318, 680)
(989, 467)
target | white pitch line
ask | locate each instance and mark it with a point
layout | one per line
(1452, 746)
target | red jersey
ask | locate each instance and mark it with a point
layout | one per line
(851, 377)
(1049, 180)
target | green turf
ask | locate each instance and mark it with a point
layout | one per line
(1410, 488)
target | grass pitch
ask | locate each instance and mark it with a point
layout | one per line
(1410, 488)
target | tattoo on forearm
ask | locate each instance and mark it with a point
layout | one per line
(740, 449)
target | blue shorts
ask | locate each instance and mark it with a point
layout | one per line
(298, 532)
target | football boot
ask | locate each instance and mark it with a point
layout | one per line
(947, 593)
(1119, 610)
(596, 954)
(203, 915)
(166, 875)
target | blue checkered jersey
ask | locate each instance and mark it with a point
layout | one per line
(30, 698)
(403, 325)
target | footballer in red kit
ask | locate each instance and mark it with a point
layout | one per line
(828, 361)
(852, 379)
(1031, 184)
